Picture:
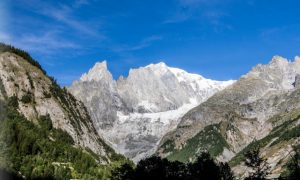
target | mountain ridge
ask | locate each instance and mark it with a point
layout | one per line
(147, 95)
(238, 114)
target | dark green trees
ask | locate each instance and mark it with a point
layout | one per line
(204, 168)
(293, 167)
(258, 165)
(157, 168)
(226, 172)
(124, 172)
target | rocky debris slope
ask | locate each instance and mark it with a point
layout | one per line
(38, 95)
(233, 118)
(133, 113)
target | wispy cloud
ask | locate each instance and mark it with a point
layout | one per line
(54, 35)
(146, 42)
(46, 43)
(63, 14)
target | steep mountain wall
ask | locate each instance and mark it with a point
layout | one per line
(133, 113)
(37, 95)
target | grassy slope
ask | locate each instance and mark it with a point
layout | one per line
(210, 140)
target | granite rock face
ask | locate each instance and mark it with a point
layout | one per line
(133, 113)
(38, 96)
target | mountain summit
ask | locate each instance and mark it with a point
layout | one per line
(97, 73)
(133, 113)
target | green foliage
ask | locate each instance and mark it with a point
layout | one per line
(21, 53)
(226, 172)
(62, 136)
(292, 171)
(45, 122)
(259, 166)
(204, 168)
(210, 140)
(30, 80)
(253, 145)
(124, 172)
(47, 95)
(40, 152)
(27, 98)
(168, 146)
(13, 102)
(287, 135)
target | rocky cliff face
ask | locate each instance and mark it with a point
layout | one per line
(38, 95)
(233, 118)
(133, 113)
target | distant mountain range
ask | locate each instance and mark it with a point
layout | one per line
(167, 111)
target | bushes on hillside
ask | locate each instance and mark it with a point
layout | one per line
(27, 98)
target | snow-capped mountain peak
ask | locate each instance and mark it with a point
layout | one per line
(184, 76)
(279, 61)
(157, 65)
(97, 73)
(135, 112)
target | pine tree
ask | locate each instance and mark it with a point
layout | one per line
(293, 167)
(259, 165)
(226, 172)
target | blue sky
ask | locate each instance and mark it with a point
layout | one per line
(219, 39)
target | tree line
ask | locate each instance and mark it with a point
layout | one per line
(203, 168)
